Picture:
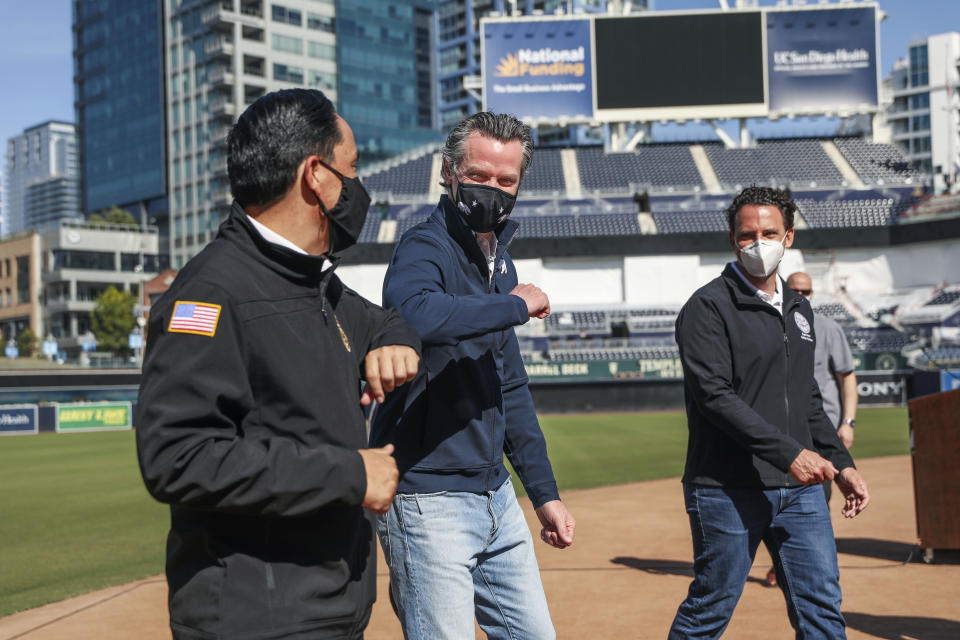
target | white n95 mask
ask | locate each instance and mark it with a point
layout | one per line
(762, 257)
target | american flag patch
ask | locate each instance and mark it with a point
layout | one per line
(194, 317)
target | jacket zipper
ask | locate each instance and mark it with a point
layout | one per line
(786, 373)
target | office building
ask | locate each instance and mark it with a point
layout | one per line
(385, 72)
(20, 285)
(925, 108)
(42, 177)
(221, 56)
(119, 103)
(80, 260)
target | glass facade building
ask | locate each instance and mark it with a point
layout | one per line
(384, 71)
(42, 177)
(119, 102)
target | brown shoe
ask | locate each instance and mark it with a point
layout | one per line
(771, 579)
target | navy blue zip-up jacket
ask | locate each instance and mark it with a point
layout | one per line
(752, 401)
(470, 402)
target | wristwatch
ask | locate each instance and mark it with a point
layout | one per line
(849, 421)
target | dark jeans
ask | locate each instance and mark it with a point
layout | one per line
(727, 526)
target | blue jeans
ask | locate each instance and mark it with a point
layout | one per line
(454, 555)
(728, 525)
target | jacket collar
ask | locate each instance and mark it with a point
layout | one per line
(745, 296)
(447, 215)
(297, 267)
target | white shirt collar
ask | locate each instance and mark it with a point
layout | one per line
(273, 237)
(488, 247)
(776, 300)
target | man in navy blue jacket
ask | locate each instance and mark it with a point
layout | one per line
(455, 537)
(759, 442)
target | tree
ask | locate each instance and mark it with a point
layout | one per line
(27, 343)
(113, 215)
(112, 320)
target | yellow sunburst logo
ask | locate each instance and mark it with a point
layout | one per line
(509, 67)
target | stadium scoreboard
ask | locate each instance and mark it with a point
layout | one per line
(766, 62)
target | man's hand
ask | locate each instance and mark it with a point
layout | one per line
(810, 467)
(845, 432)
(386, 369)
(558, 524)
(854, 489)
(538, 305)
(382, 476)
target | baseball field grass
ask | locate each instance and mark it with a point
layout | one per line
(74, 515)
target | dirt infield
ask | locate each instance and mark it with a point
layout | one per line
(626, 574)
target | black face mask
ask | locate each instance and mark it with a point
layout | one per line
(484, 208)
(349, 214)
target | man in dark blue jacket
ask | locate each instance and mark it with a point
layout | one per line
(759, 440)
(455, 537)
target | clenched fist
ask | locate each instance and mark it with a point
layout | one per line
(538, 305)
(386, 369)
(382, 476)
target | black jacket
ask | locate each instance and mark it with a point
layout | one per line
(752, 401)
(251, 435)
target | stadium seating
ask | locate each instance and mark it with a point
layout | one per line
(945, 297)
(653, 167)
(877, 163)
(794, 163)
(877, 340)
(836, 311)
(873, 212)
(545, 174)
(408, 178)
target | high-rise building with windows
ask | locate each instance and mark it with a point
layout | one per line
(925, 109)
(42, 177)
(384, 65)
(119, 103)
(221, 55)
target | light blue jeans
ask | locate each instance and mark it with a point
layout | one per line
(728, 525)
(454, 555)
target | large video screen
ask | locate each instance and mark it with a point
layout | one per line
(692, 60)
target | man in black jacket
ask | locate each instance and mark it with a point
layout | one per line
(759, 440)
(249, 421)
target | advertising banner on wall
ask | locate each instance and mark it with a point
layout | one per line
(538, 69)
(18, 419)
(886, 388)
(94, 416)
(822, 60)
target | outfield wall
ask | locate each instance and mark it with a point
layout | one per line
(670, 279)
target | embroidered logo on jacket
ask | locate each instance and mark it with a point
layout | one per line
(199, 318)
(803, 325)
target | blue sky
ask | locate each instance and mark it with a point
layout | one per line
(36, 69)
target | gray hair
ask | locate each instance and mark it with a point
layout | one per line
(499, 126)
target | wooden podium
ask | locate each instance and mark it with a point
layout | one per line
(935, 450)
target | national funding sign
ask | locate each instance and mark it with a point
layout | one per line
(538, 69)
(94, 416)
(18, 419)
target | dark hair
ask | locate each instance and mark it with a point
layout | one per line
(499, 126)
(272, 137)
(779, 198)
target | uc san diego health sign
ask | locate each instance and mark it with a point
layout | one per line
(94, 416)
(18, 419)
